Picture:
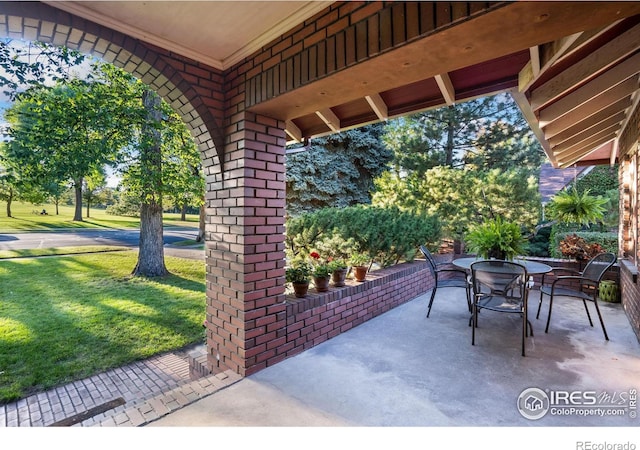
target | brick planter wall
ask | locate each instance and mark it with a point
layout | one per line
(321, 316)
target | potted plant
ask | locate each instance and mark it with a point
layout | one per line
(496, 239)
(358, 262)
(298, 275)
(338, 268)
(321, 272)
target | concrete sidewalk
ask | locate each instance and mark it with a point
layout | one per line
(401, 369)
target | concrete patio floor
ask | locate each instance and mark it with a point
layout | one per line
(402, 369)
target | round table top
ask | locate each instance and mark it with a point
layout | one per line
(533, 267)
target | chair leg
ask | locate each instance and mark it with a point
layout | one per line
(539, 304)
(587, 310)
(604, 330)
(474, 321)
(433, 295)
(546, 330)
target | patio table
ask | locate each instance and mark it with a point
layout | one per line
(533, 267)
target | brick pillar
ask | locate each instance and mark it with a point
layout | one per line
(245, 247)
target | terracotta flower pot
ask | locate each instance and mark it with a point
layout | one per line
(360, 273)
(339, 276)
(300, 289)
(322, 283)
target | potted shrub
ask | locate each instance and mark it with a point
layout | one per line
(358, 263)
(321, 272)
(496, 239)
(298, 275)
(338, 268)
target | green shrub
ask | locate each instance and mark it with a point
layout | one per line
(609, 241)
(387, 235)
(539, 243)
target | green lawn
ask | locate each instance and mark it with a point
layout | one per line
(26, 217)
(63, 318)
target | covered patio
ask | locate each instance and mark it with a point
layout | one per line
(402, 369)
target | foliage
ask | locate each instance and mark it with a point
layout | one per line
(388, 235)
(496, 238)
(462, 198)
(335, 171)
(360, 259)
(70, 130)
(570, 206)
(33, 64)
(90, 316)
(482, 134)
(298, 272)
(606, 240)
(539, 243)
(598, 180)
(574, 246)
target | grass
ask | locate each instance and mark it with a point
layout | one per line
(26, 218)
(28, 253)
(64, 318)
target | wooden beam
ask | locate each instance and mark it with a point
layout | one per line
(572, 120)
(589, 126)
(611, 78)
(532, 120)
(446, 87)
(330, 119)
(534, 54)
(603, 100)
(293, 131)
(581, 138)
(546, 58)
(378, 106)
(572, 159)
(614, 152)
(598, 61)
(585, 146)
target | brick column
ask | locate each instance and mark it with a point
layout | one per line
(245, 247)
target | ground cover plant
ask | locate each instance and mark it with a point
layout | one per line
(64, 318)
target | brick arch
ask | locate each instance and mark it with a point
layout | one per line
(192, 91)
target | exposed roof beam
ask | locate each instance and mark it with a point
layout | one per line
(329, 118)
(597, 86)
(446, 87)
(378, 106)
(569, 160)
(587, 127)
(598, 61)
(586, 118)
(603, 100)
(532, 120)
(614, 152)
(534, 54)
(293, 131)
(584, 139)
(546, 58)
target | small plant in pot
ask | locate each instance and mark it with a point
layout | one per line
(321, 272)
(359, 263)
(338, 268)
(496, 239)
(298, 274)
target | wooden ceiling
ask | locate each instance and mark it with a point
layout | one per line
(571, 66)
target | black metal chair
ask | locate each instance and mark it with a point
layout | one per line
(500, 286)
(456, 278)
(584, 286)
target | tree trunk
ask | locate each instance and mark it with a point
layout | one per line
(77, 216)
(151, 249)
(200, 237)
(183, 212)
(88, 205)
(9, 200)
(450, 133)
(57, 206)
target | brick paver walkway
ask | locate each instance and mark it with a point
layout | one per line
(127, 396)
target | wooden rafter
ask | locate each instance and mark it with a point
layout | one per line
(446, 87)
(378, 106)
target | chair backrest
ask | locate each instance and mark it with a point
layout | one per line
(498, 277)
(429, 257)
(599, 264)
